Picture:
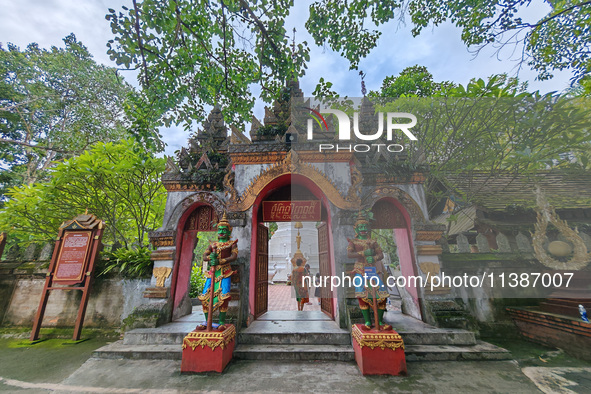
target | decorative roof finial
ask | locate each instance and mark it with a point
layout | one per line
(363, 89)
(293, 44)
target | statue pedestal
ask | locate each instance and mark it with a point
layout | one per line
(208, 351)
(378, 352)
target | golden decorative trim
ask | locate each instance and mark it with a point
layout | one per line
(428, 235)
(161, 273)
(156, 292)
(243, 158)
(333, 157)
(417, 177)
(186, 187)
(546, 214)
(432, 269)
(429, 267)
(211, 339)
(160, 255)
(429, 250)
(391, 340)
(161, 242)
(293, 165)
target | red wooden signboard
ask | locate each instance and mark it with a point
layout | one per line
(72, 258)
(292, 211)
(72, 263)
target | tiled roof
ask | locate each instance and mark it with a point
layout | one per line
(465, 220)
(563, 190)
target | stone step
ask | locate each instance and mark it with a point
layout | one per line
(290, 332)
(482, 351)
(175, 332)
(290, 338)
(295, 352)
(440, 337)
(141, 337)
(118, 350)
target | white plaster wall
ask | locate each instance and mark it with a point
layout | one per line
(245, 173)
(339, 173)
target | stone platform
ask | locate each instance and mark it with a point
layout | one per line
(307, 335)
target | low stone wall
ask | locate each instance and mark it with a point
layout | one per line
(111, 300)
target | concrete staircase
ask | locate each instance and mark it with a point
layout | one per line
(292, 336)
(305, 335)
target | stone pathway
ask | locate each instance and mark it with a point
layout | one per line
(281, 298)
(131, 376)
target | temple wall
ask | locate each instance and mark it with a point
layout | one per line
(110, 301)
(338, 173)
(244, 174)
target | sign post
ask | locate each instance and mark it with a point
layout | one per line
(72, 266)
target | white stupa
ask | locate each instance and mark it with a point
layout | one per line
(282, 246)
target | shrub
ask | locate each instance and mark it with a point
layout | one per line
(129, 263)
(197, 281)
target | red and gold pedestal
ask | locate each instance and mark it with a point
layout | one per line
(378, 352)
(208, 351)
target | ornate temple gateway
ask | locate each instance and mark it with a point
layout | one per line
(240, 176)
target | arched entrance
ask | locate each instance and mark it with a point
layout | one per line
(287, 188)
(198, 218)
(390, 214)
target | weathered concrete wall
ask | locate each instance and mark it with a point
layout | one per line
(487, 303)
(109, 303)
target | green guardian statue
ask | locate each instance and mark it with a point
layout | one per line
(219, 255)
(368, 256)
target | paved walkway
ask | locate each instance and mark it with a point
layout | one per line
(281, 298)
(134, 376)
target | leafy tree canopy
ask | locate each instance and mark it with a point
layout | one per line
(54, 104)
(192, 54)
(118, 182)
(493, 127)
(414, 81)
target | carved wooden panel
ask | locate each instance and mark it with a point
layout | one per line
(324, 265)
(203, 218)
(387, 215)
(261, 271)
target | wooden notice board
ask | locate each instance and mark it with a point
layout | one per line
(73, 257)
(72, 266)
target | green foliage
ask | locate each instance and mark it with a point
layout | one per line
(385, 238)
(272, 229)
(492, 127)
(197, 281)
(193, 54)
(272, 130)
(415, 81)
(128, 263)
(120, 183)
(559, 40)
(54, 104)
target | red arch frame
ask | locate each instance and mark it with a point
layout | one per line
(405, 245)
(281, 181)
(180, 243)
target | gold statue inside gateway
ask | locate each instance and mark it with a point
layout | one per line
(298, 273)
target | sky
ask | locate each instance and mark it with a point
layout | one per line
(440, 49)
